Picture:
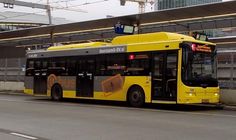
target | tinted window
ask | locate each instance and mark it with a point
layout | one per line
(37, 65)
(138, 64)
(30, 68)
(115, 64)
(44, 64)
(101, 65)
(86, 65)
(71, 66)
(57, 66)
(158, 65)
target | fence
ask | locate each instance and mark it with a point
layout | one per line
(12, 69)
(227, 69)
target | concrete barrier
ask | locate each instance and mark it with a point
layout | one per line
(228, 96)
(11, 86)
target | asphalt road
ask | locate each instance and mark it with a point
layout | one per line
(27, 117)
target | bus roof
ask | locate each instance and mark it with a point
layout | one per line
(77, 46)
(155, 37)
(118, 45)
(132, 39)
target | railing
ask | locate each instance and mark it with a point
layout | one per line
(227, 69)
(12, 69)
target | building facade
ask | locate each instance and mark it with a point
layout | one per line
(168, 4)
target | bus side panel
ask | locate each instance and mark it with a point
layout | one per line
(29, 84)
(118, 94)
(68, 84)
(103, 86)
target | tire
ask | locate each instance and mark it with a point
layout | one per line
(56, 92)
(136, 97)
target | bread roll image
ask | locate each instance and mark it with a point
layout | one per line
(112, 84)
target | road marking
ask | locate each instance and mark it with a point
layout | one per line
(24, 136)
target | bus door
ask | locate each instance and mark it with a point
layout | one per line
(40, 77)
(85, 74)
(164, 76)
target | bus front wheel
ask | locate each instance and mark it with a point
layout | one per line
(136, 97)
(56, 92)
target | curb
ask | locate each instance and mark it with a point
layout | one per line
(230, 108)
(12, 93)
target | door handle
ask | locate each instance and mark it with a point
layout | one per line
(37, 74)
(89, 74)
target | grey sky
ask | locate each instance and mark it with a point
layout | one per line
(97, 9)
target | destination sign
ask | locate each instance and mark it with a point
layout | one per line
(112, 50)
(201, 48)
(33, 55)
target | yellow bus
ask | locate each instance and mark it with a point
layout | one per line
(145, 68)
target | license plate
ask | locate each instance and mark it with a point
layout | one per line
(205, 100)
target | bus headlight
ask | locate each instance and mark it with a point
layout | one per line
(191, 94)
(216, 94)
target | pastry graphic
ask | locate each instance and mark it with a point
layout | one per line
(112, 84)
(52, 78)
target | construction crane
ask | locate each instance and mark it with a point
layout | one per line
(141, 3)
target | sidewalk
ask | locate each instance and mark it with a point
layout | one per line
(10, 92)
(230, 107)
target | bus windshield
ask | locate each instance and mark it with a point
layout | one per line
(199, 65)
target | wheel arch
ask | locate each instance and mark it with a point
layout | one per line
(54, 84)
(134, 86)
(59, 85)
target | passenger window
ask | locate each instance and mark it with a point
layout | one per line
(158, 65)
(71, 66)
(31, 64)
(30, 68)
(171, 69)
(115, 64)
(138, 64)
(37, 65)
(57, 66)
(45, 64)
(101, 65)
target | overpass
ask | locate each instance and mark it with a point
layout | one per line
(192, 18)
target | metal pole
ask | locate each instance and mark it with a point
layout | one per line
(5, 71)
(141, 7)
(19, 70)
(232, 71)
(49, 13)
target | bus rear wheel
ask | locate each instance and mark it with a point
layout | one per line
(136, 97)
(56, 92)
